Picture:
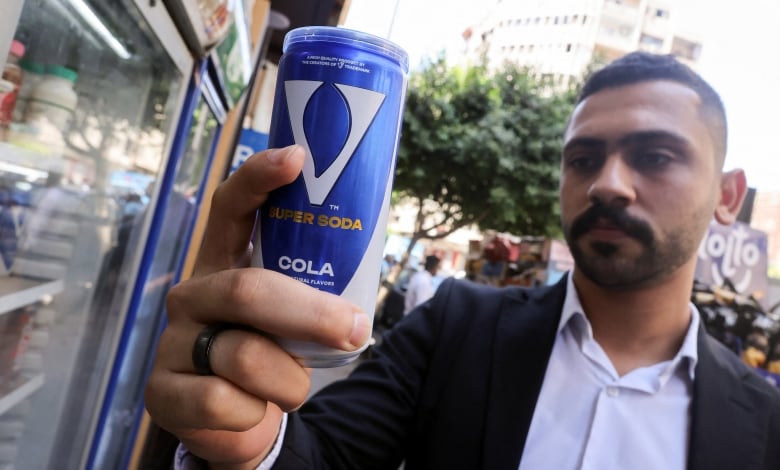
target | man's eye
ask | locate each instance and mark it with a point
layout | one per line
(652, 159)
(582, 162)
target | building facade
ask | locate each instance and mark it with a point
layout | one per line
(559, 39)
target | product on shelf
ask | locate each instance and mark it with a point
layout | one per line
(15, 328)
(34, 73)
(10, 83)
(49, 111)
(9, 231)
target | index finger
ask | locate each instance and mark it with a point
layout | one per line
(270, 302)
(235, 202)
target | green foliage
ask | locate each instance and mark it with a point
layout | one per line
(482, 147)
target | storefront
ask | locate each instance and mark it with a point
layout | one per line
(118, 120)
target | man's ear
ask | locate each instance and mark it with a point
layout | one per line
(733, 187)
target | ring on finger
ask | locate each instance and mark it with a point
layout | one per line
(201, 348)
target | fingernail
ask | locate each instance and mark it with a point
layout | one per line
(279, 155)
(361, 328)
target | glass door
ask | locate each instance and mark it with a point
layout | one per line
(160, 268)
(95, 95)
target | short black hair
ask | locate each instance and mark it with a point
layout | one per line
(638, 67)
(431, 261)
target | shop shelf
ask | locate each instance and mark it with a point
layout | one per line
(16, 292)
(17, 389)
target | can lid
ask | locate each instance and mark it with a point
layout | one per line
(350, 37)
(17, 48)
(62, 72)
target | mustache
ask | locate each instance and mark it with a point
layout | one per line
(616, 216)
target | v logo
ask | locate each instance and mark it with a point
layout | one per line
(363, 105)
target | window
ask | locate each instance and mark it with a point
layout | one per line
(686, 49)
(650, 43)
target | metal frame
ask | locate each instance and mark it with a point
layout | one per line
(163, 26)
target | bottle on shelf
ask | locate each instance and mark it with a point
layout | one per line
(50, 108)
(9, 232)
(9, 84)
(34, 72)
(15, 328)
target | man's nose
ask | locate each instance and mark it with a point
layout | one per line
(613, 184)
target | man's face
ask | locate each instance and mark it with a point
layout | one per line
(639, 183)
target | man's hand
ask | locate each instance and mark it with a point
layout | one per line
(232, 418)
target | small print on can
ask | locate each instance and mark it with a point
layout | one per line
(340, 95)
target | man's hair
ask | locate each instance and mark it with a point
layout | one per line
(431, 261)
(642, 66)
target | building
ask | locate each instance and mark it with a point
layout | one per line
(559, 39)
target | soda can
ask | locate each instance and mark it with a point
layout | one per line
(340, 95)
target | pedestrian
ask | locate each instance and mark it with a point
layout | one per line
(388, 263)
(421, 285)
(610, 368)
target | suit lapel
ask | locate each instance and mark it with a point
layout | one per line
(524, 338)
(727, 423)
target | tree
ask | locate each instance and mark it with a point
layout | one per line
(481, 147)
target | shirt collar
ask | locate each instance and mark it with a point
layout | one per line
(572, 309)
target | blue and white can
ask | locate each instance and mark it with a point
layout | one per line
(340, 95)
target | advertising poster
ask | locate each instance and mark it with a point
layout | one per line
(730, 292)
(249, 142)
(734, 255)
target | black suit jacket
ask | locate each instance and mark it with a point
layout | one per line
(454, 385)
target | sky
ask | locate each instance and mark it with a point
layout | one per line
(740, 58)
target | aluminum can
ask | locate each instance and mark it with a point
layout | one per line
(340, 95)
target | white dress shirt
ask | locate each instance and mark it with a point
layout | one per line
(588, 417)
(186, 461)
(420, 289)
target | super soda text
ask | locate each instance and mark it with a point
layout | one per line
(323, 220)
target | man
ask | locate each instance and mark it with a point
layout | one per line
(608, 369)
(421, 286)
(387, 265)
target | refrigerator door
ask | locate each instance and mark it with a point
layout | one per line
(81, 161)
(163, 258)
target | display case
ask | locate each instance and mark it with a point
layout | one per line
(168, 239)
(85, 143)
